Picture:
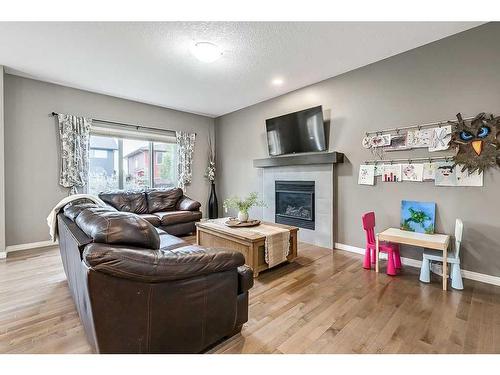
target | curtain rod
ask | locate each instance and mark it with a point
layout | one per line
(137, 127)
(409, 160)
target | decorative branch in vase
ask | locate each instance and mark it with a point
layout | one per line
(213, 209)
(243, 205)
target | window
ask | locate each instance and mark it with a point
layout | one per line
(159, 156)
(99, 154)
(123, 163)
(103, 172)
(164, 168)
(135, 164)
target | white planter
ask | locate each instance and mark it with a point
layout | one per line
(243, 216)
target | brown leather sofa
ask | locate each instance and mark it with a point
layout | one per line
(168, 209)
(138, 289)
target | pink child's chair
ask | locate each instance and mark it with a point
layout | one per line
(392, 250)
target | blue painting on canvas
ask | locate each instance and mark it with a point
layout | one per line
(418, 216)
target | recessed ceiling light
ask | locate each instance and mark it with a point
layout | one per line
(277, 81)
(206, 51)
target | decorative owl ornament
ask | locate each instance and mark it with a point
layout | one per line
(477, 142)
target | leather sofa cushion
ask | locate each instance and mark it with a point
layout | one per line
(177, 217)
(115, 227)
(159, 265)
(169, 242)
(73, 209)
(127, 201)
(77, 210)
(163, 200)
(153, 219)
(187, 204)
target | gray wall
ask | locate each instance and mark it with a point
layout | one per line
(2, 169)
(31, 146)
(430, 83)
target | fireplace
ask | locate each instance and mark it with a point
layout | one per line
(295, 203)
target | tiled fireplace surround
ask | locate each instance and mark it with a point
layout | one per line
(322, 175)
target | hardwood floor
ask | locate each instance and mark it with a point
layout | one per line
(37, 314)
(321, 303)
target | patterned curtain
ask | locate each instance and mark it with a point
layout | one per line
(185, 149)
(74, 137)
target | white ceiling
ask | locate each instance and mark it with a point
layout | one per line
(150, 62)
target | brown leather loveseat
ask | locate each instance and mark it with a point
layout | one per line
(168, 209)
(138, 289)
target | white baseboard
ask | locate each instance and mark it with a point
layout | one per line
(488, 279)
(29, 246)
(471, 275)
(3, 254)
(358, 250)
(351, 249)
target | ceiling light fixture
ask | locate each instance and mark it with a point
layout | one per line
(206, 51)
(277, 81)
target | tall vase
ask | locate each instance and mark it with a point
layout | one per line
(213, 205)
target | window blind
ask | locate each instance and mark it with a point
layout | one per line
(142, 134)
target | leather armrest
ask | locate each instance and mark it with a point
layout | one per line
(107, 205)
(188, 204)
(245, 279)
(149, 265)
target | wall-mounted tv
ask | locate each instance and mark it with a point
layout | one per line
(301, 131)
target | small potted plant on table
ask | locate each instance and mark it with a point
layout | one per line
(243, 205)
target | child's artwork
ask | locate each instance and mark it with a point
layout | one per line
(378, 170)
(445, 174)
(367, 142)
(440, 138)
(412, 172)
(366, 174)
(381, 140)
(391, 172)
(429, 171)
(466, 179)
(418, 216)
(419, 138)
(398, 143)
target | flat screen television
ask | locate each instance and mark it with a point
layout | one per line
(296, 132)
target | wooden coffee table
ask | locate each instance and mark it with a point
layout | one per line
(250, 244)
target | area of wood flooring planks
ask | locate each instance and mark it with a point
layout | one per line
(324, 302)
